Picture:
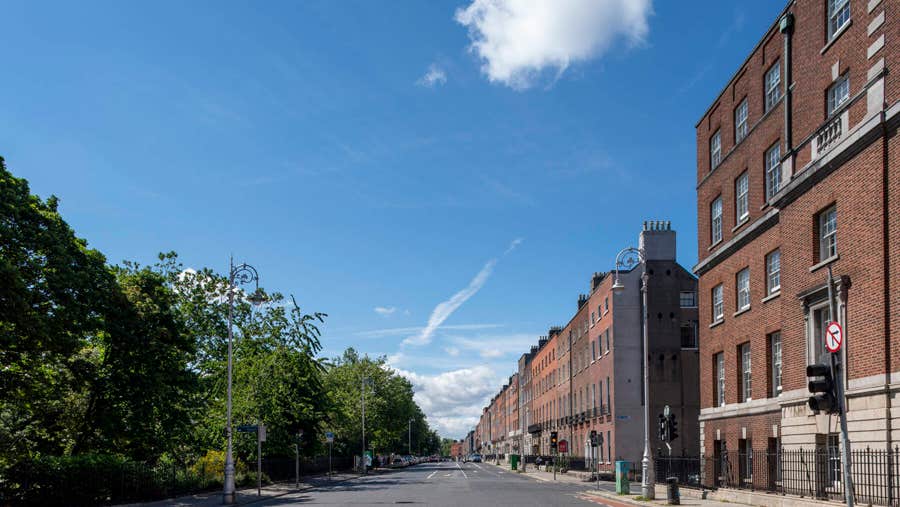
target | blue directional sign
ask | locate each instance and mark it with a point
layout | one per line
(247, 428)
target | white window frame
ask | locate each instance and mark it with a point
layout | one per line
(718, 303)
(715, 150)
(773, 85)
(777, 358)
(692, 295)
(742, 197)
(827, 233)
(746, 372)
(815, 335)
(715, 213)
(838, 94)
(773, 170)
(720, 378)
(838, 16)
(743, 289)
(741, 126)
(773, 272)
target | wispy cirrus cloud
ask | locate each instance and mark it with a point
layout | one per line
(404, 331)
(446, 308)
(385, 311)
(434, 76)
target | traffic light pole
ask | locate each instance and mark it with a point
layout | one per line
(842, 412)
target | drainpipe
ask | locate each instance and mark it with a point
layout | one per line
(787, 28)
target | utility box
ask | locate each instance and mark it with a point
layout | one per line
(623, 486)
(514, 461)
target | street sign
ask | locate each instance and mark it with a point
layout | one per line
(247, 428)
(563, 446)
(834, 337)
(329, 437)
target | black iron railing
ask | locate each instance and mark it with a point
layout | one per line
(809, 473)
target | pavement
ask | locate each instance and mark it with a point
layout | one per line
(439, 484)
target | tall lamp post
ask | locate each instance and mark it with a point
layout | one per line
(237, 275)
(364, 382)
(627, 258)
(410, 437)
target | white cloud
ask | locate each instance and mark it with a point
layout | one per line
(404, 331)
(517, 40)
(451, 351)
(496, 346)
(433, 77)
(453, 400)
(385, 310)
(512, 246)
(446, 308)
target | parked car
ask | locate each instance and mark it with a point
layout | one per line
(475, 458)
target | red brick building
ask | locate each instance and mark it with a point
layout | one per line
(797, 171)
(587, 375)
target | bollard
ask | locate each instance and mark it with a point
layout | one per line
(672, 494)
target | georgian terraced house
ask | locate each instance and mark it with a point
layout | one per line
(797, 171)
(588, 375)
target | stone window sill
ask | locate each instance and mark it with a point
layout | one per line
(824, 263)
(740, 224)
(771, 296)
(714, 245)
(716, 323)
(741, 311)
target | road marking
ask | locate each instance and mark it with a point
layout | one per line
(432, 474)
(479, 467)
(461, 470)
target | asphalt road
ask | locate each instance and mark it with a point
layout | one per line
(440, 484)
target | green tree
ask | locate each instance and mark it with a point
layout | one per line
(54, 293)
(389, 408)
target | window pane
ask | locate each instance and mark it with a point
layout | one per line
(773, 85)
(775, 340)
(715, 150)
(718, 307)
(773, 272)
(743, 289)
(838, 15)
(716, 224)
(828, 234)
(741, 192)
(688, 299)
(773, 170)
(740, 122)
(745, 372)
(838, 94)
(720, 378)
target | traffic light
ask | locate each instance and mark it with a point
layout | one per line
(672, 427)
(822, 382)
(663, 428)
(553, 439)
(594, 441)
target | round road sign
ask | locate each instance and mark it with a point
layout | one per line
(834, 337)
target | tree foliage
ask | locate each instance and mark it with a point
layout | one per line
(131, 361)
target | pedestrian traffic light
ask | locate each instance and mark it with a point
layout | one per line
(663, 428)
(553, 439)
(671, 427)
(821, 382)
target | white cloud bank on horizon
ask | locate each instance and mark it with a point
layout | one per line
(453, 400)
(517, 40)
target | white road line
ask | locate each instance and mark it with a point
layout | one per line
(432, 474)
(461, 470)
(478, 467)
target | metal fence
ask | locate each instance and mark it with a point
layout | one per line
(809, 473)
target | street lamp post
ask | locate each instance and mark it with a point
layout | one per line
(627, 258)
(237, 275)
(410, 437)
(365, 381)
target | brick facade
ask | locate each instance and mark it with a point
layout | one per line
(846, 159)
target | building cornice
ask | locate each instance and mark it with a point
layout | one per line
(748, 234)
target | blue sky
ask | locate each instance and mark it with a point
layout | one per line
(441, 178)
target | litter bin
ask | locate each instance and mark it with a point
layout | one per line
(514, 461)
(672, 495)
(623, 487)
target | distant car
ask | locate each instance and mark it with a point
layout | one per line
(475, 458)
